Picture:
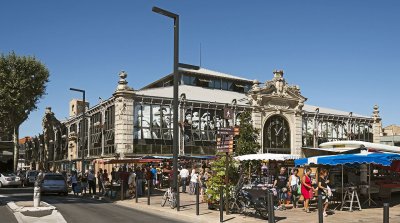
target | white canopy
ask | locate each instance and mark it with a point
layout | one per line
(267, 156)
(357, 144)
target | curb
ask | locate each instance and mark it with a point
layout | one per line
(18, 211)
(16, 208)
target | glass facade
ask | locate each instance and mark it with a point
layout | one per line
(96, 135)
(153, 130)
(215, 83)
(330, 128)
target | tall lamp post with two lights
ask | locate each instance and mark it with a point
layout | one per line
(175, 141)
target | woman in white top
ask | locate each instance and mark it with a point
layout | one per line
(193, 180)
(294, 182)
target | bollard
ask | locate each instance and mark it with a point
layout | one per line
(197, 198)
(111, 187)
(320, 210)
(36, 196)
(221, 204)
(271, 214)
(385, 212)
(178, 201)
(269, 205)
(148, 191)
(122, 190)
(136, 191)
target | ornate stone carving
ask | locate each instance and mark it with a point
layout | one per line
(279, 82)
(375, 114)
(299, 107)
(278, 105)
(122, 83)
(256, 86)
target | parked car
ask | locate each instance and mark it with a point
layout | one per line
(30, 177)
(54, 183)
(9, 179)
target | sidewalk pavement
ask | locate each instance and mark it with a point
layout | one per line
(188, 212)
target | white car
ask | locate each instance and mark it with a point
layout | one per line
(9, 179)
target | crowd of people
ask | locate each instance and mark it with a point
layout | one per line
(293, 188)
(136, 179)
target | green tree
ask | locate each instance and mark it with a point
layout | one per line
(247, 140)
(22, 83)
(217, 179)
(246, 144)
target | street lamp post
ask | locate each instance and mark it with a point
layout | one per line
(175, 98)
(83, 125)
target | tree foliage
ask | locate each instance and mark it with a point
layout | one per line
(246, 144)
(247, 141)
(22, 83)
(218, 178)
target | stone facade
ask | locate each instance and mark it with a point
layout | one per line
(278, 110)
(276, 97)
(123, 117)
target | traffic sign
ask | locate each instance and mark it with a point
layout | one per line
(228, 113)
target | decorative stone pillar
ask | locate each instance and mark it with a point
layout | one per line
(124, 112)
(377, 125)
(297, 135)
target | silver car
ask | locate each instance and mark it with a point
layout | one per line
(54, 183)
(9, 179)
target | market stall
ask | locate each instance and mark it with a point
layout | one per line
(269, 163)
(383, 159)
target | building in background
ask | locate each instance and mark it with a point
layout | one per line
(391, 135)
(135, 123)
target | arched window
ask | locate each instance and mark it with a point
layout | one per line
(276, 135)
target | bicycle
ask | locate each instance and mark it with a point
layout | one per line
(170, 196)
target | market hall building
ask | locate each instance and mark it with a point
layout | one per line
(135, 123)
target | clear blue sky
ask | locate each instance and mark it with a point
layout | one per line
(343, 54)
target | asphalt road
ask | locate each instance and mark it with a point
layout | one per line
(77, 209)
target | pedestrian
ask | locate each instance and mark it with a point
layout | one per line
(153, 171)
(100, 181)
(323, 188)
(194, 178)
(132, 183)
(92, 182)
(84, 181)
(139, 181)
(307, 189)
(74, 181)
(281, 184)
(203, 179)
(105, 176)
(124, 180)
(113, 175)
(184, 173)
(294, 185)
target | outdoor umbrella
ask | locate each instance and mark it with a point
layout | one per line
(384, 159)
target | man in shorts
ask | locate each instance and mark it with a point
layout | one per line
(281, 183)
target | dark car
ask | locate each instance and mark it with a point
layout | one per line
(54, 183)
(30, 177)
